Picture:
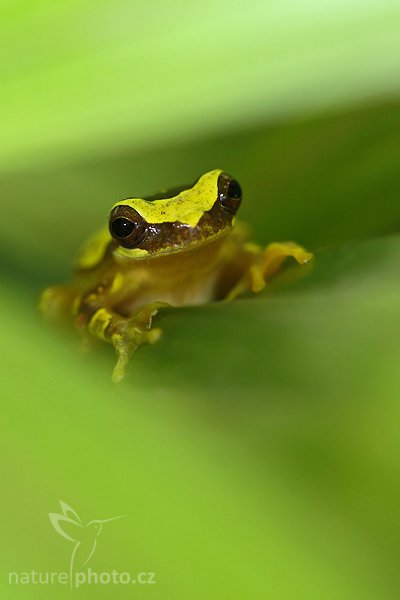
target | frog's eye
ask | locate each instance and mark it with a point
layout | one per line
(127, 226)
(229, 192)
(234, 190)
(122, 227)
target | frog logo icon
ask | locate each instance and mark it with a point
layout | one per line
(84, 536)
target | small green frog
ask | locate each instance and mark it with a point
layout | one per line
(177, 248)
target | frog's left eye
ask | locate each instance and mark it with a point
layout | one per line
(122, 227)
(127, 226)
(230, 193)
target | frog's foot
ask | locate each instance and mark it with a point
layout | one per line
(266, 263)
(131, 334)
(127, 344)
(276, 253)
(125, 333)
(54, 302)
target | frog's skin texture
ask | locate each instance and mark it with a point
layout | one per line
(175, 249)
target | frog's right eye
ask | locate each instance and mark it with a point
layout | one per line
(127, 226)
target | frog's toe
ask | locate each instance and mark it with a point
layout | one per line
(46, 300)
(126, 344)
(154, 335)
(53, 302)
(119, 371)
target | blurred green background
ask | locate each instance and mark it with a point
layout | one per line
(254, 450)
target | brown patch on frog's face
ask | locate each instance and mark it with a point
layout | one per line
(136, 238)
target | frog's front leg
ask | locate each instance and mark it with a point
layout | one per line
(126, 333)
(264, 263)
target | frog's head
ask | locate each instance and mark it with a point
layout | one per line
(173, 221)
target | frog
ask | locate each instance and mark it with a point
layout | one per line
(177, 248)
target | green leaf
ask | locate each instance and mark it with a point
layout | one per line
(254, 450)
(84, 78)
(257, 436)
